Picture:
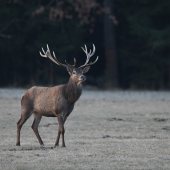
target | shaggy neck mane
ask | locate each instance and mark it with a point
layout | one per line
(73, 91)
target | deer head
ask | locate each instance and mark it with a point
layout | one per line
(76, 74)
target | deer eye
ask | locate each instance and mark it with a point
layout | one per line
(74, 72)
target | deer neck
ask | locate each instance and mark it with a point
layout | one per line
(73, 91)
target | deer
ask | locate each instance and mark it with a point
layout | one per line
(57, 101)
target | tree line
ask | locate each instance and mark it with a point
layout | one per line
(131, 39)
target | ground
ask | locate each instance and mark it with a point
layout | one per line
(120, 130)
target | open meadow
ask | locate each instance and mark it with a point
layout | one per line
(120, 130)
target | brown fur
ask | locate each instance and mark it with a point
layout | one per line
(55, 101)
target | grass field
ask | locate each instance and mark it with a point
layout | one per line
(122, 130)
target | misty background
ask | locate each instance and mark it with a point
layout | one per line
(132, 40)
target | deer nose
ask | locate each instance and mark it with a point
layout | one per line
(83, 77)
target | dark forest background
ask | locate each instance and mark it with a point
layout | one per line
(132, 40)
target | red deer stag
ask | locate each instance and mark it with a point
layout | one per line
(55, 101)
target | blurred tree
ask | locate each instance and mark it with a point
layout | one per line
(133, 54)
(109, 45)
(31, 25)
(144, 44)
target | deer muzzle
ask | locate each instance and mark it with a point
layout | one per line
(82, 78)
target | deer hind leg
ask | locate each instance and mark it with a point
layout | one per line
(24, 116)
(37, 119)
(60, 131)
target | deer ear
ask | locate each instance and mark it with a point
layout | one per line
(69, 69)
(86, 69)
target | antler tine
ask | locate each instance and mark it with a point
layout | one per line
(90, 54)
(43, 50)
(48, 48)
(84, 50)
(87, 54)
(48, 55)
(74, 62)
(94, 49)
(41, 54)
(90, 64)
(71, 65)
(57, 62)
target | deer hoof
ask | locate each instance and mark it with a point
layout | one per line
(17, 144)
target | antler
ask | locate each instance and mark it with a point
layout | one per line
(47, 54)
(89, 55)
(71, 65)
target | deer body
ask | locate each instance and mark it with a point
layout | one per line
(55, 101)
(50, 101)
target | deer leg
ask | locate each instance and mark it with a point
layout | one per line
(37, 119)
(58, 138)
(65, 119)
(60, 131)
(22, 120)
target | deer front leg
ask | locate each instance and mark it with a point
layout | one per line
(60, 131)
(37, 119)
